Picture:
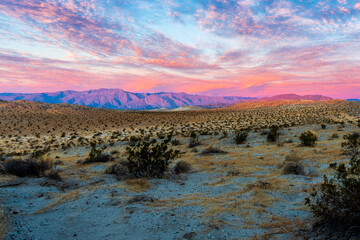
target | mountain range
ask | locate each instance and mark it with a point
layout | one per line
(120, 99)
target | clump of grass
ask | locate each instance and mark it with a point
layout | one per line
(137, 184)
(119, 169)
(212, 150)
(293, 165)
(182, 167)
(308, 138)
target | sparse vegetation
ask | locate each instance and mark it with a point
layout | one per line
(336, 201)
(241, 136)
(352, 143)
(308, 138)
(194, 142)
(212, 150)
(27, 167)
(97, 155)
(182, 167)
(292, 164)
(119, 169)
(150, 159)
(273, 134)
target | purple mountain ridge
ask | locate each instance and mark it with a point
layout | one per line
(120, 99)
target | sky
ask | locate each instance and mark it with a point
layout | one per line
(213, 47)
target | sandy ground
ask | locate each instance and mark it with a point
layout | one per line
(238, 195)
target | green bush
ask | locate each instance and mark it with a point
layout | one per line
(150, 159)
(308, 138)
(336, 201)
(241, 136)
(273, 134)
(352, 143)
(97, 155)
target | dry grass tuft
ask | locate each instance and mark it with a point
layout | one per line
(138, 184)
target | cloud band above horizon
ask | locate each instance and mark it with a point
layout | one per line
(219, 47)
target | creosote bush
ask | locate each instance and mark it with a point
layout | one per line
(241, 136)
(150, 159)
(352, 143)
(336, 201)
(273, 134)
(97, 155)
(308, 138)
(182, 167)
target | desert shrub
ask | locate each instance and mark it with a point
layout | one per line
(182, 167)
(194, 143)
(26, 168)
(150, 159)
(273, 134)
(308, 138)
(175, 142)
(52, 174)
(323, 126)
(38, 153)
(97, 155)
(133, 140)
(225, 134)
(264, 133)
(160, 135)
(293, 165)
(212, 150)
(294, 168)
(241, 136)
(336, 201)
(193, 134)
(335, 135)
(352, 143)
(119, 169)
